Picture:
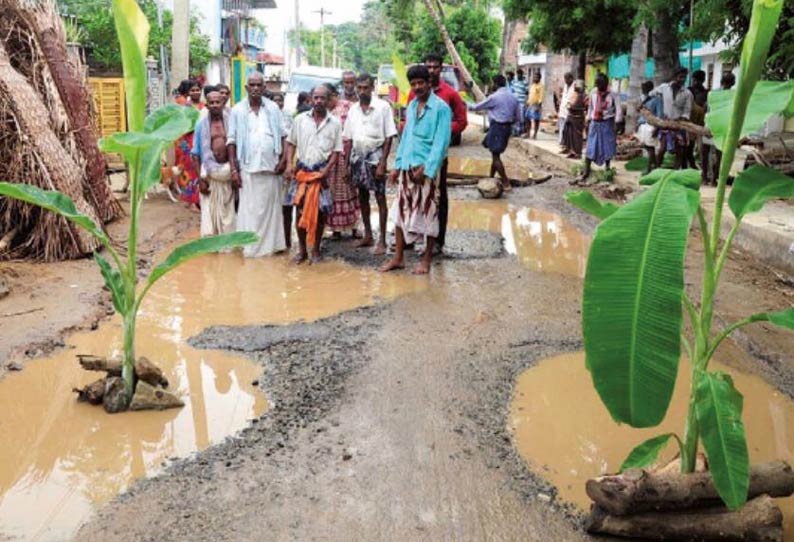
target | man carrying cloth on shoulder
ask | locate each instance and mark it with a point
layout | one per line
(316, 139)
(421, 152)
(211, 158)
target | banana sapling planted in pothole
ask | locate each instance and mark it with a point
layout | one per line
(142, 147)
(634, 298)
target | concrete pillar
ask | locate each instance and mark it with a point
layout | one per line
(180, 41)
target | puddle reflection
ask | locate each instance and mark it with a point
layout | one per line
(541, 240)
(59, 457)
(561, 428)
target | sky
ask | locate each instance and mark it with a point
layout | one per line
(282, 19)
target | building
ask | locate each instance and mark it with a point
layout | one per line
(234, 30)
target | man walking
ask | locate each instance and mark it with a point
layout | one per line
(503, 110)
(534, 106)
(677, 103)
(434, 64)
(211, 158)
(370, 130)
(316, 141)
(520, 89)
(254, 145)
(421, 152)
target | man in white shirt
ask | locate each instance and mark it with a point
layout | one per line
(370, 130)
(254, 142)
(565, 98)
(316, 139)
(676, 105)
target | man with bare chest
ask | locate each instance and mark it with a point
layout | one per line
(211, 158)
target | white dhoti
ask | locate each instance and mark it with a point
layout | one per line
(260, 212)
(217, 207)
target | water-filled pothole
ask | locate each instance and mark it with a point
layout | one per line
(60, 458)
(541, 240)
(563, 431)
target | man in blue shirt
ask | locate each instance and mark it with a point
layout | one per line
(503, 111)
(421, 152)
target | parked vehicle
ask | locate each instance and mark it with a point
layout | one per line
(304, 79)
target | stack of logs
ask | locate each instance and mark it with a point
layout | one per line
(150, 390)
(668, 505)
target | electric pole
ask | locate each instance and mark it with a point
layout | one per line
(297, 35)
(323, 12)
(180, 42)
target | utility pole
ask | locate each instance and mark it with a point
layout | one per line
(323, 12)
(297, 34)
(180, 42)
(335, 61)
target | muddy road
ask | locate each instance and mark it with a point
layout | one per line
(390, 413)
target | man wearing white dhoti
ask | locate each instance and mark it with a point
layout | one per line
(210, 156)
(255, 142)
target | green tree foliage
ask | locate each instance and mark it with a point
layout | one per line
(595, 26)
(730, 20)
(95, 21)
(477, 37)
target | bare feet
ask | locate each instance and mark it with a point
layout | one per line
(299, 258)
(392, 265)
(365, 242)
(422, 268)
(380, 250)
(507, 187)
(315, 259)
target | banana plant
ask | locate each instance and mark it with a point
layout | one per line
(634, 298)
(142, 148)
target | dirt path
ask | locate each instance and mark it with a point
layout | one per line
(390, 422)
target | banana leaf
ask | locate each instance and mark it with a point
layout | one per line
(718, 406)
(756, 186)
(631, 311)
(132, 29)
(588, 203)
(645, 454)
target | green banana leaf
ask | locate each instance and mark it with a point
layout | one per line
(114, 282)
(132, 29)
(54, 201)
(757, 185)
(718, 406)
(781, 318)
(768, 98)
(631, 311)
(645, 454)
(401, 78)
(588, 203)
(685, 177)
(199, 247)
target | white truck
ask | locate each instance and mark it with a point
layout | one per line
(304, 79)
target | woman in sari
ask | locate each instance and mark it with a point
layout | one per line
(344, 215)
(188, 179)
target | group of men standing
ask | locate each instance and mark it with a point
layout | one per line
(259, 165)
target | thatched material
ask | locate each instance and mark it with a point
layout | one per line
(46, 135)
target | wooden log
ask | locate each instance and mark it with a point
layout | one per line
(97, 363)
(639, 491)
(144, 369)
(685, 125)
(759, 520)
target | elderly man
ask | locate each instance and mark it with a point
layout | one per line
(349, 86)
(316, 140)
(369, 130)
(503, 111)
(255, 142)
(562, 116)
(422, 149)
(211, 157)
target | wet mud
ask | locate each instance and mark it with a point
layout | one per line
(561, 428)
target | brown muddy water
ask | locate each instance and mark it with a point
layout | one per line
(564, 432)
(59, 458)
(541, 240)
